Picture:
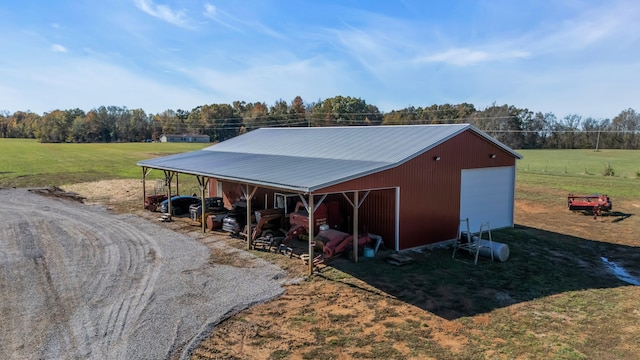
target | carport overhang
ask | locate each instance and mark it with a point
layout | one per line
(307, 195)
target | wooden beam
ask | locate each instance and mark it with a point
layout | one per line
(203, 181)
(144, 187)
(355, 226)
(168, 177)
(311, 234)
(397, 231)
(249, 195)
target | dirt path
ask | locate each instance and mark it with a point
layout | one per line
(79, 282)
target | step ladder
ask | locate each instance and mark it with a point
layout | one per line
(471, 243)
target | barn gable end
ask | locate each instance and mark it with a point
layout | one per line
(429, 190)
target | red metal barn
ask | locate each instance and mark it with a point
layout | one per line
(409, 184)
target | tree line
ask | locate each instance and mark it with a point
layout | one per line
(515, 127)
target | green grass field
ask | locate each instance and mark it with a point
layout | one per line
(28, 163)
(581, 171)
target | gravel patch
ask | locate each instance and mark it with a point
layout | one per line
(80, 283)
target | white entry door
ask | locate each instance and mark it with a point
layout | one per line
(487, 195)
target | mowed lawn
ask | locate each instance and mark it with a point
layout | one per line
(29, 163)
(580, 172)
(25, 163)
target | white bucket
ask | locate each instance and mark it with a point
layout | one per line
(500, 250)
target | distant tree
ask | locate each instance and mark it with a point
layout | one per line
(279, 114)
(535, 128)
(298, 112)
(139, 125)
(516, 127)
(344, 111)
(505, 123)
(170, 123)
(4, 123)
(627, 129)
(589, 134)
(406, 116)
(222, 121)
(446, 113)
(54, 127)
(75, 117)
(20, 124)
(434, 114)
(258, 115)
(564, 132)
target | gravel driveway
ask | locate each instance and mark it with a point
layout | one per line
(77, 282)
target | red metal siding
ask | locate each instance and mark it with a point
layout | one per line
(378, 213)
(430, 190)
(232, 192)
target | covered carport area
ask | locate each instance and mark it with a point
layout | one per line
(169, 175)
(308, 177)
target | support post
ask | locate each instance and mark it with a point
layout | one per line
(311, 233)
(249, 195)
(203, 182)
(145, 172)
(355, 225)
(168, 177)
(397, 221)
(144, 187)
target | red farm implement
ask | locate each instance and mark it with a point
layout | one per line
(152, 202)
(595, 204)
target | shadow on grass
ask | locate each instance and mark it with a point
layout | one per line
(541, 264)
(619, 216)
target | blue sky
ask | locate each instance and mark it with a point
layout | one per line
(566, 57)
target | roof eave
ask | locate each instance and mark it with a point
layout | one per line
(292, 188)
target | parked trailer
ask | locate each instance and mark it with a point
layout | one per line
(592, 203)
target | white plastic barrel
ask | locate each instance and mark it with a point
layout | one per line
(500, 250)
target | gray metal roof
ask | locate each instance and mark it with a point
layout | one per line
(307, 159)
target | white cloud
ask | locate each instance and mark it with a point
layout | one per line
(235, 23)
(310, 79)
(58, 48)
(466, 57)
(165, 13)
(86, 84)
(213, 13)
(597, 27)
(209, 11)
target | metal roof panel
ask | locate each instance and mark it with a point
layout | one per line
(305, 159)
(368, 143)
(294, 173)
